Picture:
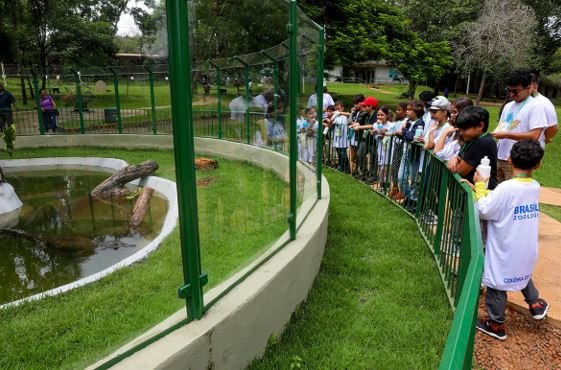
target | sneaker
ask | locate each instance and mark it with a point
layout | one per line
(539, 309)
(492, 329)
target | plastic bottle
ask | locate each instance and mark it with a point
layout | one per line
(418, 132)
(484, 169)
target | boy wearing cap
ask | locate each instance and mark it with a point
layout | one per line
(439, 109)
(367, 144)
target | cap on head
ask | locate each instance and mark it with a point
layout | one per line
(371, 101)
(440, 103)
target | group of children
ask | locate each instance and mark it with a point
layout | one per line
(369, 139)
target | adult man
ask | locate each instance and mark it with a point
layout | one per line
(521, 119)
(550, 113)
(327, 100)
(6, 102)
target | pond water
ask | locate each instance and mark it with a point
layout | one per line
(64, 235)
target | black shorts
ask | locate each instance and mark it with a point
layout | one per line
(6, 119)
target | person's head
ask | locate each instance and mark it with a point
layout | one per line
(383, 114)
(472, 122)
(339, 106)
(369, 104)
(330, 110)
(440, 109)
(415, 110)
(301, 111)
(401, 110)
(43, 92)
(519, 84)
(269, 95)
(311, 114)
(457, 106)
(357, 99)
(427, 97)
(325, 89)
(526, 155)
(535, 84)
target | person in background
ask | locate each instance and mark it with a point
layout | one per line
(340, 141)
(396, 130)
(511, 250)
(48, 109)
(440, 111)
(551, 115)
(7, 100)
(327, 100)
(354, 139)
(367, 144)
(521, 119)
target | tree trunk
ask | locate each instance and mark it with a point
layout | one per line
(140, 207)
(23, 91)
(411, 89)
(123, 176)
(481, 88)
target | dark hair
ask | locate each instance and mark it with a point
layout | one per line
(526, 154)
(325, 89)
(462, 103)
(426, 96)
(358, 98)
(385, 109)
(418, 107)
(330, 108)
(308, 110)
(471, 117)
(402, 105)
(339, 102)
(535, 78)
(521, 77)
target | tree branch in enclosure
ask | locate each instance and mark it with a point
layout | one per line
(113, 186)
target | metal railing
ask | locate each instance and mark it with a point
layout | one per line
(443, 208)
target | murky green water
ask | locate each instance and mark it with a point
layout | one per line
(64, 235)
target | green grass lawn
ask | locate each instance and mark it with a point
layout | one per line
(75, 329)
(378, 301)
(551, 211)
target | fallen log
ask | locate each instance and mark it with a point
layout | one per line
(114, 184)
(140, 207)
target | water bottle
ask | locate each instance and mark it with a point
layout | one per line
(484, 169)
(418, 133)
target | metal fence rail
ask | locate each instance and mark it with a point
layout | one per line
(443, 208)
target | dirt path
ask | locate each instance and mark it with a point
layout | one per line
(530, 344)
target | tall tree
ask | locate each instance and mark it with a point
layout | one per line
(501, 39)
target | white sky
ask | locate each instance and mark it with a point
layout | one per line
(126, 26)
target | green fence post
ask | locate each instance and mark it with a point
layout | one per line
(293, 89)
(444, 175)
(219, 104)
(38, 102)
(152, 100)
(117, 100)
(247, 97)
(319, 94)
(184, 152)
(79, 100)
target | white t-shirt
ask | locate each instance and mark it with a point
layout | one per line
(340, 126)
(260, 102)
(519, 117)
(550, 114)
(327, 101)
(511, 251)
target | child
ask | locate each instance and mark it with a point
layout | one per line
(511, 250)
(473, 122)
(328, 154)
(397, 148)
(381, 128)
(449, 143)
(301, 128)
(352, 136)
(311, 132)
(340, 142)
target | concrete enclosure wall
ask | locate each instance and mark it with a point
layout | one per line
(236, 329)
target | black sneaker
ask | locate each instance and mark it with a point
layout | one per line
(492, 329)
(539, 309)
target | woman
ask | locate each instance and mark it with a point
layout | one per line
(48, 107)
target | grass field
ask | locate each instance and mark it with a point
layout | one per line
(378, 301)
(75, 329)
